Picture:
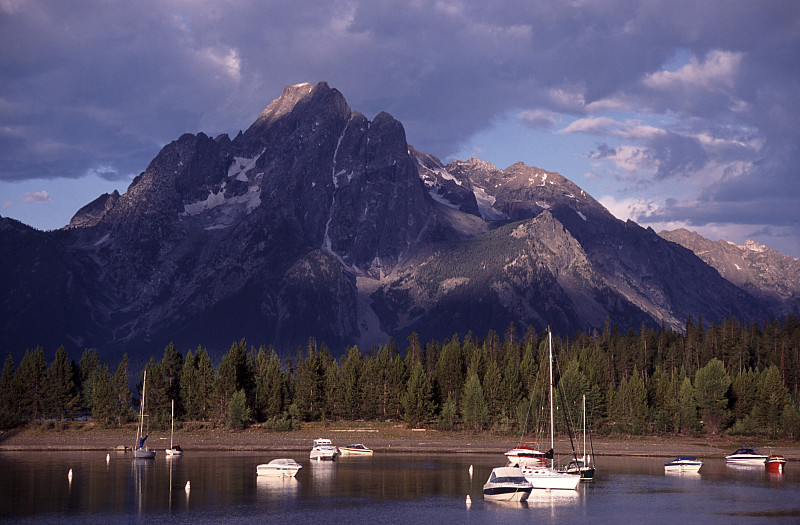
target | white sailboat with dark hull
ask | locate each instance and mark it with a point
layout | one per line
(583, 466)
(543, 477)
(140, 450)
(173, 450)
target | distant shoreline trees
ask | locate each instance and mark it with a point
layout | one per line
(732, 378)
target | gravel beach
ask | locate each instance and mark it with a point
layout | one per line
(382, 437)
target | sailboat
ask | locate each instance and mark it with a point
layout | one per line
(543, 477)
(582, 465)
(173, 450)
(140, 451)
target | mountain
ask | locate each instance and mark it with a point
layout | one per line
(763, 272)
(317, 222)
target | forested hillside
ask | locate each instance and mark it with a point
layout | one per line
(732, 378)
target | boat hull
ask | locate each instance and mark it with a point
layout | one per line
(506, 493)
(682, 468)
(141, 453)
(344, 451)
(754, 460)
(549, 479)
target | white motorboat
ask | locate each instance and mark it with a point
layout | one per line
(140, 451)
(356, 449)
(543, 477)
(527, 454)
(507, 484)
(746, 455)
(323, 450)
(683, 464)
(279, 467)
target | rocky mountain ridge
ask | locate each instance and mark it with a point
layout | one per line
(317, 222)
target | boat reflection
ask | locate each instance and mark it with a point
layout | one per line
(276, 487)
(682, 474)
(322, 474)
(553, 499)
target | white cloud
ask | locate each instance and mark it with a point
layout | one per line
(717, 71)
(36, 196)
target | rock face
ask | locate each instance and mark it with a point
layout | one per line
(317, 222)
(763, 272)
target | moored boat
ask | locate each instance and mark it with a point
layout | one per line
(775, 463)
(173, 450)
(746, 455)
(527, 453)
(579, 467)
(323, 450)
(506, 484)
(541, 476)
(683, 464)
(356, 449)
(140, 451)
(279, 467)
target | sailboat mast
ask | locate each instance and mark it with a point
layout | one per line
(172, 431)
(140, 428)
(550, 347)
(584, 429)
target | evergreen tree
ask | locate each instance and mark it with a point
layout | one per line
(62, 393)
(449, 415)
(418, 399)
(9, 401)
(310, 383)
(102, 402)
(172, 362)
(492, 389)
(204, 384)
(450, 370)
(188, 388)
(772, 399)
(121, 392)
(88, 364)
(474, 411)
(711, 390)
(238, 411)
(332, 397)
(31, 383)
(352, 395)
(688, 403)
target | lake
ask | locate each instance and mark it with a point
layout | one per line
(385, 488)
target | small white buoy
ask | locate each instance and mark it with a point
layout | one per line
(470, 471)
(469, 500)
(108, 458)
(188, 486)
(69, 476)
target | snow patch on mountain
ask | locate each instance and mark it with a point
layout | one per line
(486, 205)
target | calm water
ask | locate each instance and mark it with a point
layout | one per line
(386, 488)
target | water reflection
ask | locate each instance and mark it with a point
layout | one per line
(553, 499)
(396, 488)
(276, 487)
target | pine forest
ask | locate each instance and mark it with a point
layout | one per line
(727, 378)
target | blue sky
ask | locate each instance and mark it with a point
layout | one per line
(673, 114)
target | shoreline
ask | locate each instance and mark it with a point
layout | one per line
(380, 437)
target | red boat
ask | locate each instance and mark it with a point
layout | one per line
(775, 463)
